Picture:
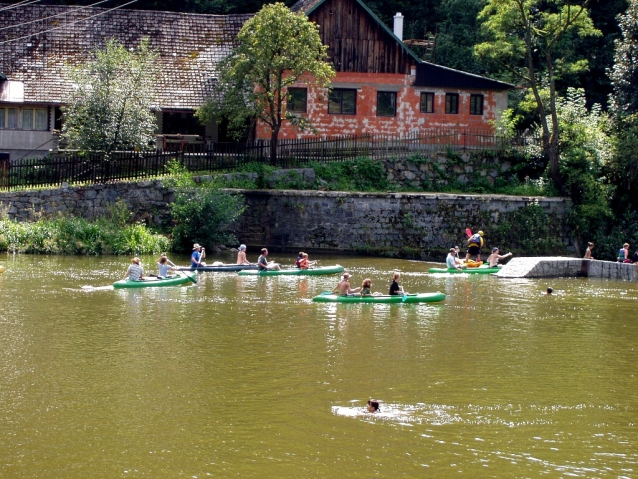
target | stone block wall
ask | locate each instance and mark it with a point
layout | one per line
(422, 225)
(429, 170)
(425, 224)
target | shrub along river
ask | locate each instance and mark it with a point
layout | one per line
(247, 377)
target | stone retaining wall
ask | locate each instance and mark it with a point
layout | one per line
(422, 225)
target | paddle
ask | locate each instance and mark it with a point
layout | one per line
(468, 232)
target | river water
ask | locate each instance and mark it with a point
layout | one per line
(247, 377)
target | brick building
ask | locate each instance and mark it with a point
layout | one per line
(381, 87)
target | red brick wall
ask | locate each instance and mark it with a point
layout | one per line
(408, 119)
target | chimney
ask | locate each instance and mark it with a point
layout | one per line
(398, 25)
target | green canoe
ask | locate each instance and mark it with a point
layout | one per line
(295, 271)
(153, 282)
(408, 298)
(479, 270)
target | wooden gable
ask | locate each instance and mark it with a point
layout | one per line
(357, 40)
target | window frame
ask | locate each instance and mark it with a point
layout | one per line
(449, 103)
(305, 99)
(473, 99)
(426, 94)
(24, 118)
(393, 95)
(341, 91)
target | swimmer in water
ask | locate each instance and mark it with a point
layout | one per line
(373, 406)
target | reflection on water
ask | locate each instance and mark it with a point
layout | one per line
(246, 376)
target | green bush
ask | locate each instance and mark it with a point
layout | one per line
(201, 213)
(80, 236)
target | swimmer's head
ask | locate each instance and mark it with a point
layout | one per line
(373, 405)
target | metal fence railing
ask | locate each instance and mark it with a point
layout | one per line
(91, 168)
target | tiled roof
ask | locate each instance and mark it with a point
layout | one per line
(305, 5)
(190, 47)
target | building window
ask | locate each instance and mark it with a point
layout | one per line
(27, 118)
(41, 119)
(342, 102)
(297, 99)
(476, 104)
(12, 118)
(24, 119)
(386, 103)
(452, 103)
(427, 102)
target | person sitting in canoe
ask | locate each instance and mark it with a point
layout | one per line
(163, 267)
(366, 288)
(343, 287)
(494, 257)
(135, 271)
(474, 245)
(304, 263)
(395, 289)
(299, 258)
(452, 260)
(241, 255)
(263, 264)
(198, 255)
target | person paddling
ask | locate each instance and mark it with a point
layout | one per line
(304, 263)
(395, 289)
(198, 255)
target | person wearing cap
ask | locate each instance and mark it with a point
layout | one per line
(263, 264)
(452, 260)
(135, 271)
(241, 255)
(344, 288)
(198, 255)
(494, 257)
(474, 245)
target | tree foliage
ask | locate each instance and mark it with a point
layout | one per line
(110, 108)
(624, 74)
(276, 49)
(536, 40)
(202, 213)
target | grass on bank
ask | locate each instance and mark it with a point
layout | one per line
(365, 174)
(111, 235)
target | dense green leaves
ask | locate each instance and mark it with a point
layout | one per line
(201, 213)
(110, 109)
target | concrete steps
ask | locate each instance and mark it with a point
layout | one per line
(562, 267)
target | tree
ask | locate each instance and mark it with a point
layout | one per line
(624, 74)
(276, 48)
(110, 108)
(535, 40)
(202, 213)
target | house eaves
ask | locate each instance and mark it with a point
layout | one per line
(432, 75)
